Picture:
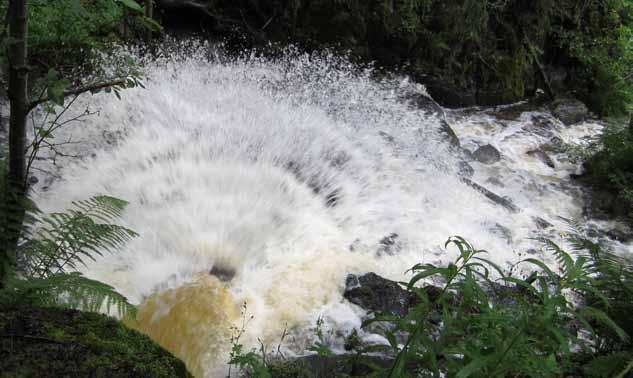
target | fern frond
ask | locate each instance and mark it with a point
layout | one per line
(72, 290)
(67, 240)
(59, 244)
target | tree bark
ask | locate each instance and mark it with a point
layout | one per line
(19, 105)
(18, 96)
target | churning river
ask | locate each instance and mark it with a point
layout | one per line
(284, 175)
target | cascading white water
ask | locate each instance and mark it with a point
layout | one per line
(288, 172)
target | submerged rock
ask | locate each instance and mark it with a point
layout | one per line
(389, 245)
(543, 157)
(542, 223)
(449, 134)
(569, 110)
(504, 202)
(487, 154)
(502, 231)
(465, 170)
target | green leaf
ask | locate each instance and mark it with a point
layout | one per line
(56, 87)
(471, 368)
(131, 4)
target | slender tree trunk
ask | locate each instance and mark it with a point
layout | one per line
(19, 103)
(18, 82)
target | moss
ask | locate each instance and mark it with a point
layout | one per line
(53, 342)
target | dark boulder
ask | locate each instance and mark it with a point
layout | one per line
(222, 273)
(487, 154)
(374, 293)
(622, 234)
(569, 110)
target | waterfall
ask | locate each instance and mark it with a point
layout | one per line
(285, 174)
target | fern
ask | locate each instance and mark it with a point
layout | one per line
(67, 239)
(57, 244)
(71, 290)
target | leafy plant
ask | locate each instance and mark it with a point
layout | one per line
(476, 327)
(57, 244)
(320, 347)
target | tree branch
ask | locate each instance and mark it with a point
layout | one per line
(84, 89)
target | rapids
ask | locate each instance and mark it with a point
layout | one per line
(289, 173)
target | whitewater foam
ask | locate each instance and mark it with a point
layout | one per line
(273, 168)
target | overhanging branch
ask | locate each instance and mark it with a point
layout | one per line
(77, 91)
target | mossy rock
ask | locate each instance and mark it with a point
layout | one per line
(54, 342)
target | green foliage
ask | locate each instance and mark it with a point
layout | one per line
(597, 39)
(481, 321)
(610, 168)
(468, 331)
(320, 347)
(490, 51)
(59, 243)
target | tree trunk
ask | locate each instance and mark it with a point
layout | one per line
(19, 105)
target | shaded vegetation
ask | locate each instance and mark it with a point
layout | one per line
(610, 171)
(466, 51)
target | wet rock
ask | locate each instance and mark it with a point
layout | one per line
(374, 293)
(542, 223)
(487, 154)
(448, 95)
(495, 181)
(465, 170)
(389, 245)
(569, 110)
(424, 103)
(449, 134)
(543, 157)
(543, 126)
(622, 234)
(223, 273)
(504, 202)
